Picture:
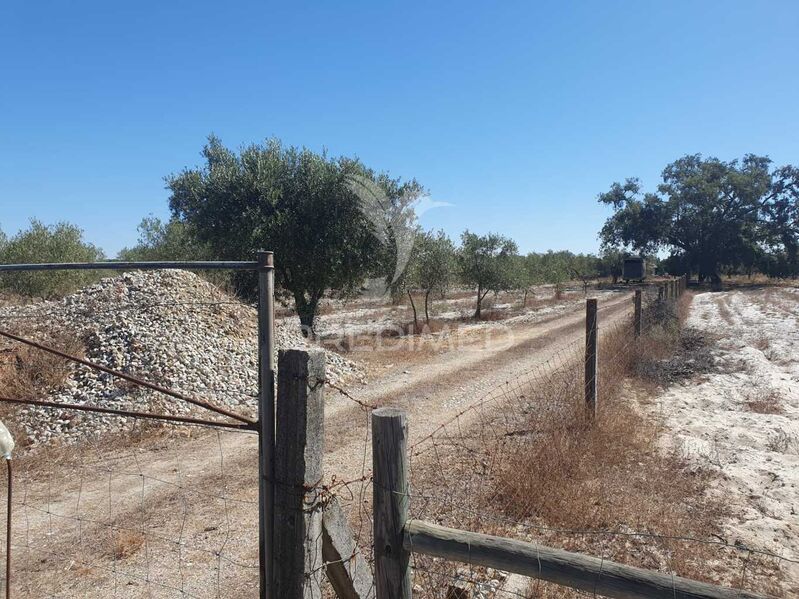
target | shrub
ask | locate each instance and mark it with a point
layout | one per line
(62, 242)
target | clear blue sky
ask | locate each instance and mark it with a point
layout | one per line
(518, 113)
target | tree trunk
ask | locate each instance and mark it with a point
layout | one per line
(426, 302)
(413, 307)
(306, 310)
(524, 301)
(479, 302)
(615, 278)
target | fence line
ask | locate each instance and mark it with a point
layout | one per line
(314, 535)
(492, 421)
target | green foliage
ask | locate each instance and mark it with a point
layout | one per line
(172, 240)
(433, 266)
(487, 262)
(584, 267)
(40, 243)
(711, 213)
(611, 263)
(299, 204)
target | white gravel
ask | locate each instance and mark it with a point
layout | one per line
(172, 328)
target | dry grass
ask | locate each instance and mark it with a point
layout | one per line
(124, 543)
(549, 467)
(26, 372)
(764, 401)
(762, 343)
(586, 473)
(781, 441)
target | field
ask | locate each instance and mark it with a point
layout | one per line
(693, 462)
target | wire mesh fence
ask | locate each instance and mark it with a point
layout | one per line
(134, 403)
(139, 515)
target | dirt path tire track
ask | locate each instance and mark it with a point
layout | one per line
(435, 394)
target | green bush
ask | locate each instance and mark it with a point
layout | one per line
(62, 242)
(174, 241)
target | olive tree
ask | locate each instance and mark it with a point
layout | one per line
(300, 204)
(432, 268)
(486, 262)
(62, 242)
(585, 268)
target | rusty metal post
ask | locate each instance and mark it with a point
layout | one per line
(266, 421)
(591, 355)
(637, 313)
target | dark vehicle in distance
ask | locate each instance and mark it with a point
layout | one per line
(634, 269)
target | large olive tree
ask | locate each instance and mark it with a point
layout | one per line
(300, 204)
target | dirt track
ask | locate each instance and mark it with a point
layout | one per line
(184, 508)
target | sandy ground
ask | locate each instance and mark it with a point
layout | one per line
(743, 419)
(175, 515)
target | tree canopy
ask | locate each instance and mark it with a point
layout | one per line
(709, 213)
(432, 267)
(302, 205)
(486, 262)
(62, 242)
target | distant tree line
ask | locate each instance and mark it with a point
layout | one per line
(335, 225)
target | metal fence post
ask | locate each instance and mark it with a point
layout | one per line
(299, 447)
(637, 313)
(390, 503)
(591, 354)
(266, 421)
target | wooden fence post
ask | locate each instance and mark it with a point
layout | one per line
(390, 503)
(299, 447)
(591, 354)
(637, 313)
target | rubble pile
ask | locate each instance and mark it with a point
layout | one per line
(171, 328)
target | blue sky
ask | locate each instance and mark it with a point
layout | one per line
(518, 113)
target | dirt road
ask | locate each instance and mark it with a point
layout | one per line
(176, 515)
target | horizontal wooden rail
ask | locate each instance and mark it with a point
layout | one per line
(582, 572)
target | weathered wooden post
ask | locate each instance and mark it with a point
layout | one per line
(299, 447)
(591, 355)
(266, 420)
(637, 312)
(660, 293)
(390, 492)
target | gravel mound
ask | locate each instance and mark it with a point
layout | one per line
(169, 327)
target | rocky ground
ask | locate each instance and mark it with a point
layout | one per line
(171, 328)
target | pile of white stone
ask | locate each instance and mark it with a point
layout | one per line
(171, 328)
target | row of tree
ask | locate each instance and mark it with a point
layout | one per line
(488, 263)
(339, 227)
